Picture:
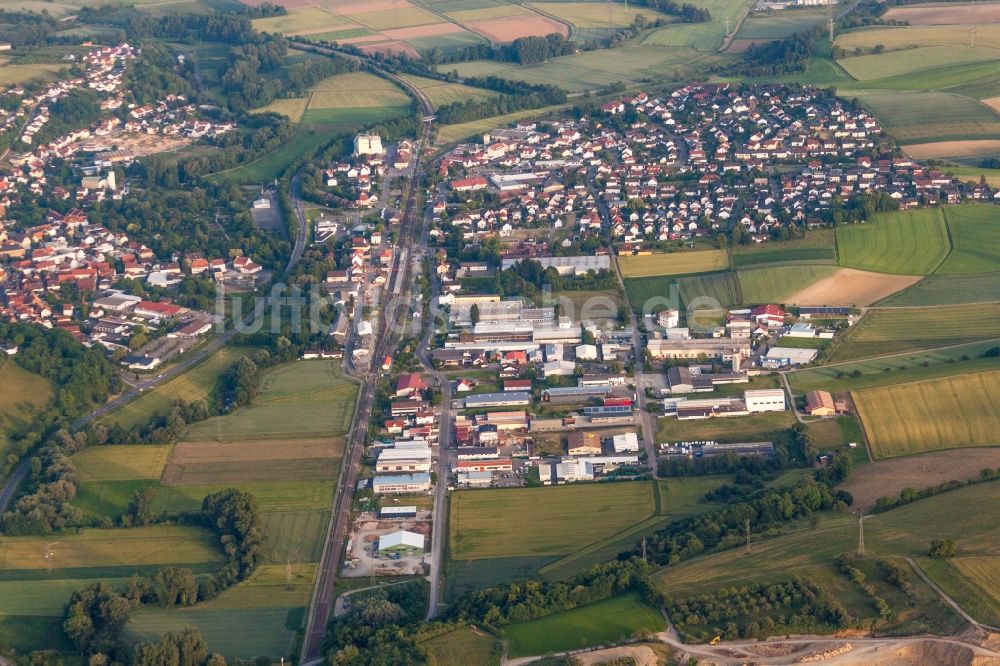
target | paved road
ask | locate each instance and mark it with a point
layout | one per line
(397, 291)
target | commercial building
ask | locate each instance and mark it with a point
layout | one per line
(625, 442)
(401, 483)
(782, 357)
(478, 453)
(368, 144)
(504, 399)
(566, 394)
(500, 465)
(397, 512)
(724, 349)
(402, 542)
(474, 479)
(404, 460)
(764, 400)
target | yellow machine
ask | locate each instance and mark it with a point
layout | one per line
(715, 641)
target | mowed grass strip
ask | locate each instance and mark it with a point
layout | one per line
(543, 521)
(269, 586)
(948, 290)
(23, 394)
(121, 462)
(601, 622)
(675, 263)
(912, 242)
(159, 544)
(950, 412)
(271, 495)
(975, 237)
(890, 330)
(974, 582)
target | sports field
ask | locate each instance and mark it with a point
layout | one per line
(676, 263)
(543, 521)
(885, 331)
(975, 236)
(912, 242)
(441, 93)
(935, 414)
(594, 624)
(299, 400)
(195, 384)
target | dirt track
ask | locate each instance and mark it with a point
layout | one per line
(885, 478)
(851, 287)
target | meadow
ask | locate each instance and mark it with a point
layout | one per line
(907, 367)
(594, 624)
(972, 581)
(673, 263)
(975, 236)
(910, 60)
(774, 284)
(121, 462)
(920, 116)
(301, 21)
(891, 330)
(948, 290)
(707, 36)
(463, 645)
(934, 414)
(24, 393)
(780, 24)
(13, 74)
(475, 128)
(542, 521)
(195, 384)
(913, 242)
(754, 428)
(703, 291)
(777, 254)
(442, 93)
(810, 552)
(302, 399)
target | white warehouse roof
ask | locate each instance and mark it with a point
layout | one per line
(401, 538)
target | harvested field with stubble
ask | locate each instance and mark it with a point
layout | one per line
(674, 263)
(939, 150)
(509, 29)
(851, 288)
(946, 413)
(519, 522)
(250, 461)
(885, 478)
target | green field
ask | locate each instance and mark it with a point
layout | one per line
(475, 128)
(780, 24)
(774, 284)
(160, 545)
(886, 331)
(233, 632)
(948, 290)
(23, 393)
(676, 263)
(593, 624)
(945, 413)
(464, 645)
(702, 292)
(121, 463)
(195, 384)
(441, 93)
(972, 581)
(534, 522)
(975, 236)
(913, 242)
(777, 254)
(754, 428)
(295, 536)
(271, 495)
(706, 36)
(809, 552)
(909, 61)
(908, 367)
(922, 117)
(302, 399)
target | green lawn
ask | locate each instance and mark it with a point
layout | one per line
(975, 237)
(754, 428)
(912, 242)
(593, 624)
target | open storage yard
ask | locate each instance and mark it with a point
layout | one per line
(943, 413)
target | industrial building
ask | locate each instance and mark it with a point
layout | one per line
(474, 479)
(565, 394)
(402, 542)
(783, 357)
(764, 400)
(504, 399)
(820, 403)
(583, 444)
(725, 349)
(625, 443)
(403, 460)
(397, 512)
(401, 483)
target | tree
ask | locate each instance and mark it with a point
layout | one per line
(942, 549)
(140, 509)
(474, 314)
